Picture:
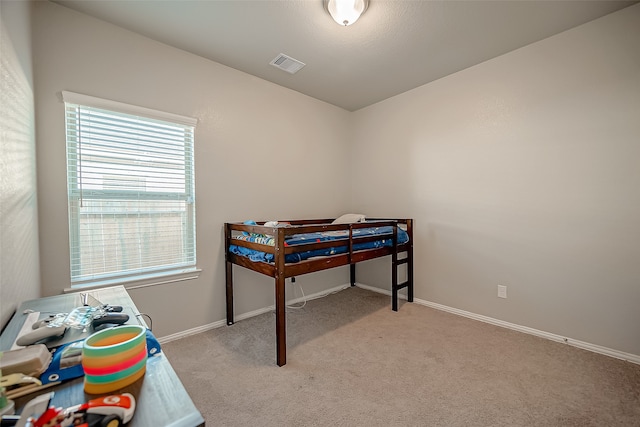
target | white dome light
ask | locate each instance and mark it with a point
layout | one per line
(346, 12)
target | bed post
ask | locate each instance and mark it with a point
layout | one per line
(228, 274)
(352, 274)
(410, 261)
(352, 265)
(281, 332)
(394, 270)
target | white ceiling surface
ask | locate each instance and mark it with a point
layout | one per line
(395, 46)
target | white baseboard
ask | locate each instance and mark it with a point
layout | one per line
(401, 294)
(633, 358)
(219, 323)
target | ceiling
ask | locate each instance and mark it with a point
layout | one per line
(395, 46)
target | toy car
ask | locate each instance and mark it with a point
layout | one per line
(109, 411)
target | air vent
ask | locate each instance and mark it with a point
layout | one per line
(287, 63)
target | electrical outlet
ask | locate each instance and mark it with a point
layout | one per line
(502, 291)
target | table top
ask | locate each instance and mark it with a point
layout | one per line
(161, 399)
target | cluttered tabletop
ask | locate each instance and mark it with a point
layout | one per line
(88, 358)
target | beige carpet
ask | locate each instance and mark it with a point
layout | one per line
(353, 362)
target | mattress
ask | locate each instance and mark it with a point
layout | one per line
(298, 239)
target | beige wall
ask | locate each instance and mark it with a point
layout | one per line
(522, 171)
(262, 152)
(19, 270)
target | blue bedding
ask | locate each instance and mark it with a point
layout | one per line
(297, 239)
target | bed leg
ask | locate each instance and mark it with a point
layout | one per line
(394, 271)
(229, 290)
(410, 277)
(394, 299)
(352, 274)
(281, 333)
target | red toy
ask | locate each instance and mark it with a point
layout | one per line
(109, 411)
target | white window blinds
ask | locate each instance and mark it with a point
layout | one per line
(130, 190)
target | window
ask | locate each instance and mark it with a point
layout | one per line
(130, 178)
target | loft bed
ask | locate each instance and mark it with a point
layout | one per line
(282, 249)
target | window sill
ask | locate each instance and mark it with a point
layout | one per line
(141, 281)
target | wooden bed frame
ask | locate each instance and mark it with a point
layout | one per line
(280, 270)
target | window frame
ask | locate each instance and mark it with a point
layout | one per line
(171, 272)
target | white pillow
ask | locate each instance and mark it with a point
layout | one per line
(349, 218)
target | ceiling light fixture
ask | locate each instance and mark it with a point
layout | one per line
(345, 12)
